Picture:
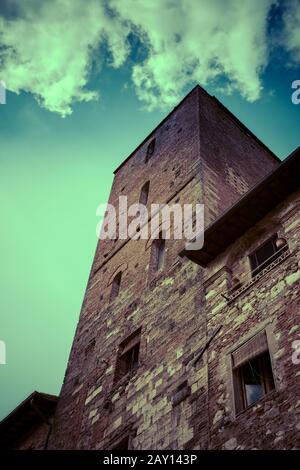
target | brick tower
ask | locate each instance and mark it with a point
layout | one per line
(143, 316)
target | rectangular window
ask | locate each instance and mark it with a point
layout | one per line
(265, 255)
(252, 372)
(128, 356)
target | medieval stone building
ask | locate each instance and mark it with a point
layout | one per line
(193, 349)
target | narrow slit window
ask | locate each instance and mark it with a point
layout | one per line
(123, 444)
(115, 286)
(128, 356)
(158, 254)
(144, 193)
(150, 150)
(90, 348)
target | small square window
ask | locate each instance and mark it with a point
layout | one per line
(128, 356)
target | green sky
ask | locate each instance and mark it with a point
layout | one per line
(59, 144)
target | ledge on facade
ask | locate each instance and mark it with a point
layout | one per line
(251, 208)
(239, 289)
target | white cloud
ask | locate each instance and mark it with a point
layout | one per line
(49, 47)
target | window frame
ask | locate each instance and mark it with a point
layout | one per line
(128, 357)
(131, 358)
(128, 437)
(257, 268)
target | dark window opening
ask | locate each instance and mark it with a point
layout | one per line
(115, 286)
(150, 150)
(265, 255)
(182, 392)
(128, 357)
(123, 444)
(253, 376)
(144, 193)
(158, 253)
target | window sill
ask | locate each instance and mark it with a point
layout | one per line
(267, 396)
(232, 295)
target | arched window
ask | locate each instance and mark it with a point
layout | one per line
(150, 150)
(115, 286)
(144, 193)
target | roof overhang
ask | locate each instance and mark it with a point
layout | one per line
(251, 208)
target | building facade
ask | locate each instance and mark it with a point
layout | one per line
(181, 349)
